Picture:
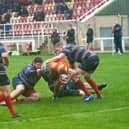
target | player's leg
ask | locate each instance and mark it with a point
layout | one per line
(120, 45)
(31, 95)
(88, 94)
(116, 44)
(69, 89)
(5, 89)
(79, 82)
(93, 84)
(83, 87)
(4, 96)
(102, 86)
(88, 67)
(20, 88)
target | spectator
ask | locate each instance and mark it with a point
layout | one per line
(68, 13)
(58, 1)
(6, 27)
(23, 12)
(7, 16)
(89, 35)
(39, 15)
(67, 0)
(55, 37)
(60, 8)
(0, 19)
(23, 2)
(39, 2)
(70, 38)
(16, 6)
(117, 30)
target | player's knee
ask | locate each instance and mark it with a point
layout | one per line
(6, 94)
(36, 97)
(20, 88)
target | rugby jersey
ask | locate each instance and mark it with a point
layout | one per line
(75, 53)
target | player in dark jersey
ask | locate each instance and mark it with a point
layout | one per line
(5, 82)
(26, 79)
(88, 62)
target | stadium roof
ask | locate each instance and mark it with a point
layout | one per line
(118, 7)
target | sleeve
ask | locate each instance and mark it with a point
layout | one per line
(2, 50)
(67, 53)
(29, 70)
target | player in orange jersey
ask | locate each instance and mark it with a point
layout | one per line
(56, 74)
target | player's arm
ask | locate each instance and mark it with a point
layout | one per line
(5, 58)
(75, 72)
(56, 58)
(30, 71)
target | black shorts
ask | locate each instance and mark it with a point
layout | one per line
(90, 63)
(16, 81)
(28, 91)
(89, 39)
(4, 80)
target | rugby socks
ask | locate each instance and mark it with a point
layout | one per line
(83, 87)
(94, 86)
(8, 102)
(10, 105)
(2, 97)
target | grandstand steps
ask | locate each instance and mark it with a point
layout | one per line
(94, 10)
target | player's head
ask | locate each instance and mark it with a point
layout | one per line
(58, 47)
(37, 62)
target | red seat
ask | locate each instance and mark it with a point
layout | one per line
(60, 17)
(17, 29)
(27, 28)
(37, 27)
(22, 19)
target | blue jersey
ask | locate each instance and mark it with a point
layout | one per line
(75, 53)
(28, 76)
(2, 50)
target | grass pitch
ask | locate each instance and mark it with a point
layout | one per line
(70, 112)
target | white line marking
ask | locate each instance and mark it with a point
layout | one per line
(74, 115)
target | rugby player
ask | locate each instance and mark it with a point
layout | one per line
(5, 82)
(25, 81)
(88, 62)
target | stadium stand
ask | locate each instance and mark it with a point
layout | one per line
(55, 12)
(26, 25)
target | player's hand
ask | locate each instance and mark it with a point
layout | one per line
(39, 71)
(72, 73)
